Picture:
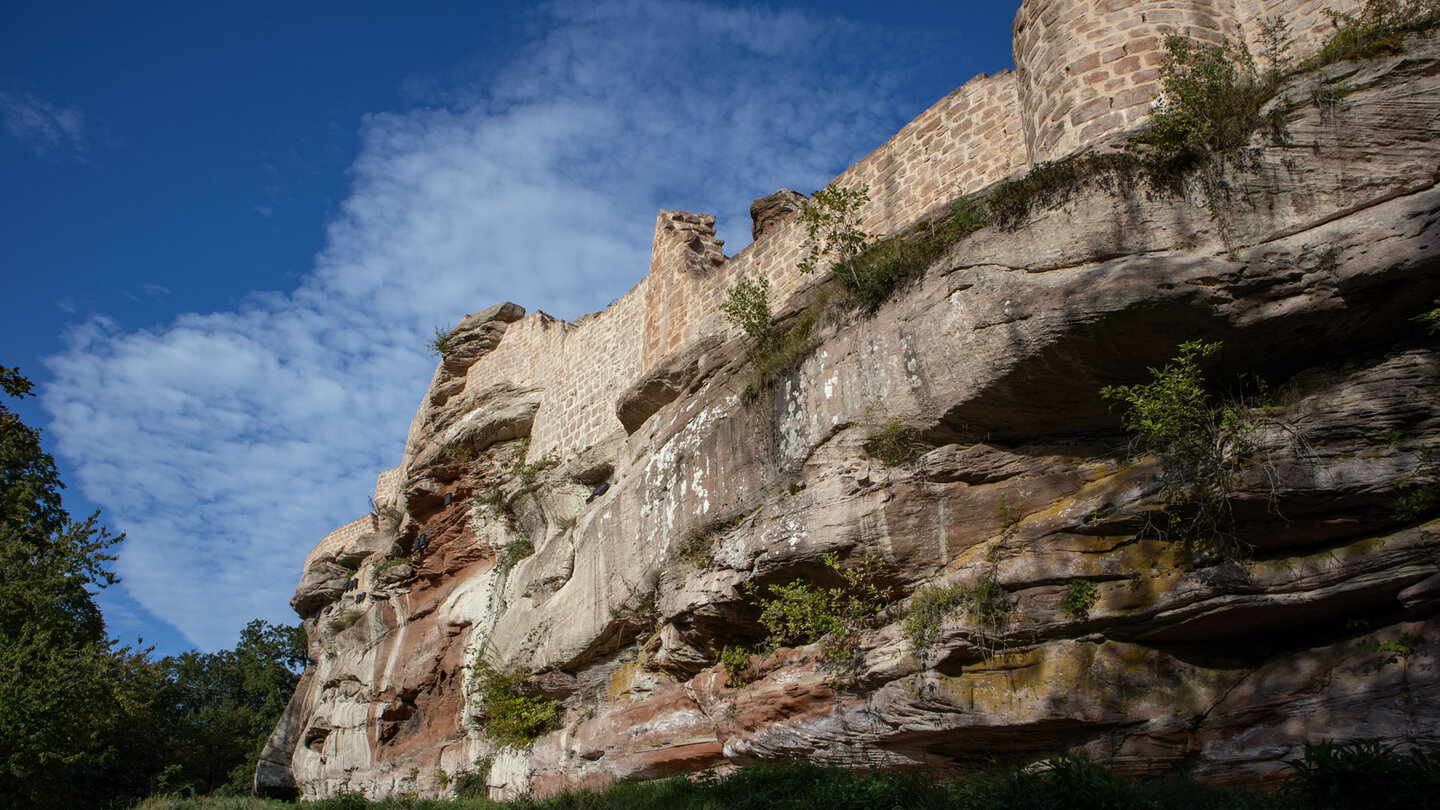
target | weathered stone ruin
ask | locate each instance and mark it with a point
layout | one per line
(597, 508)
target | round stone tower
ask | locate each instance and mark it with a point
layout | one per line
(1088, 68)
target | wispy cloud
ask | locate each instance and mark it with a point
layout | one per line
(42, 126)
(227, 444)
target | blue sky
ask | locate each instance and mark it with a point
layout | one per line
(227, 229)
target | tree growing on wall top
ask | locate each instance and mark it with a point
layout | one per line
(832, 229)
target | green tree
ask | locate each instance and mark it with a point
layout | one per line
(219, 708)
(48, 562)
(747, 306)
(65, 691)
(84, 722)
(832, 228)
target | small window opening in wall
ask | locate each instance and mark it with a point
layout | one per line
(448, 498)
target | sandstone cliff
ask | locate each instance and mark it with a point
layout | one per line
(612, 576)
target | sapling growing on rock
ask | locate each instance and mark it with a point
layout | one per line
(832, 228)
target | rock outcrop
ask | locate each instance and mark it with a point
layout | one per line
(611, 579)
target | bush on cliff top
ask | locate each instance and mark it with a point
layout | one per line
(1209, 105)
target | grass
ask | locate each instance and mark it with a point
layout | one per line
(1357, 774)
(695, 548)
(344, 621)
(865, 281)
(517, 550)
(886, 265)
(525, 473)
(785, 350)
(386, 566)
(1052, 183)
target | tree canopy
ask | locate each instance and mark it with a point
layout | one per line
(85, 722)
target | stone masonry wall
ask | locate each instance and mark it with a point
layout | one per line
(337, 539)
(1086, 69)
(388, 487)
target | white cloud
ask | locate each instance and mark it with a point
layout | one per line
(41, 125)
(227, 444)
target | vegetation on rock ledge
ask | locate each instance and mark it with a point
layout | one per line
(511, 718)
(1205, 443)
(802, 613)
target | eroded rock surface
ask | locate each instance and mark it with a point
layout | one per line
(613, 578)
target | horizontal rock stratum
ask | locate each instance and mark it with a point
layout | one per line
(609, 574)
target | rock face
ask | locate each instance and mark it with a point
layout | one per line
(611, 578)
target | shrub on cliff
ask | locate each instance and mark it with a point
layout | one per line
(1080, 596)
(438, 344)
(1379, 29)
(747, 306)
(1206, 442)
(511, 718)
(1430, 319)
(832, 229)
(1209, 104)
(804, 613)
(890, 440)
(983, 602)
(1208, 107)
(884, 265)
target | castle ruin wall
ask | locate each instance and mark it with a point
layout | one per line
(967, 140)
(1085, 70)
